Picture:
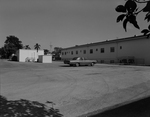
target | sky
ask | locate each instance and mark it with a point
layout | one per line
(62, 23)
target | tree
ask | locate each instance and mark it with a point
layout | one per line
(27, 47)
(12, 44)
(130, 12)
(57, 52)
(46, 51)
(37, 46)
(2, 52)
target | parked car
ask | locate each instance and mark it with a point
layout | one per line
(78, 61)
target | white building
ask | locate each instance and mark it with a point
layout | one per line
(45, 58)
(24, 55)
(134, 50)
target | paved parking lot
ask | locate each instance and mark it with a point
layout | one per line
(75, 90)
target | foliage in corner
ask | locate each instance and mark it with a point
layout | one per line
(130, 11)
(26, 108)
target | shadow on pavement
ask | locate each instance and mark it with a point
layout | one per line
(26, 108)
(139, 108)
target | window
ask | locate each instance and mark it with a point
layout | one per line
(120, 47)
(62, 53)
(72, 52)
(102, 50)
(112, 49)
(91, 51)
(84, 51)
(76, 52)
(96, 49)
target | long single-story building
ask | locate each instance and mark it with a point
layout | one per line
(133, 50)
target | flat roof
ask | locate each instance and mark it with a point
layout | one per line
(108, 41)
(31, 49)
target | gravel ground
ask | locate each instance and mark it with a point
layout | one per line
(76, 91)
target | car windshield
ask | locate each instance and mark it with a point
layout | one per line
(75, 58)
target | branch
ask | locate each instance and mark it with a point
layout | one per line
(139, 11)
(143, 1)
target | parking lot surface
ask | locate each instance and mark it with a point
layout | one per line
(76, 91)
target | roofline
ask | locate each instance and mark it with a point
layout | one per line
(31, 49)
(108, 42)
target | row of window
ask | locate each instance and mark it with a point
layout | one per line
(102, 50)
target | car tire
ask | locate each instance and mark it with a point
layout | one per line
(92, 64)
(71, 64)
(77, 64)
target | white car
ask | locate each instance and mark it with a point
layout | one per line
(78, 61)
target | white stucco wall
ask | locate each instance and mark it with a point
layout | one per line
(140, 49)
(24, 55)
(45, 58)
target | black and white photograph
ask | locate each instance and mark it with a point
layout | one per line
(74, 58)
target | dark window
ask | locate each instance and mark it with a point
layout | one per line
(65, 53)
(96, 49)
(102, 50)
(62, 53)
(120, 47)
(91, 51)
(76, 52)
(72, 52)
(84, 51)
(112, 49)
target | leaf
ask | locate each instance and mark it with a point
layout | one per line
(132, 20)
(125, 24)
(148, 35)
(49, 102)
(130, 5)
(120, 17)
(147, 17)
(149, 27)
(147, 7)
(136, 24)
(120, 8)
(145, 31)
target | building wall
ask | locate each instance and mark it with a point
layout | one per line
(137, 48)
(45, 58)
(25, 55)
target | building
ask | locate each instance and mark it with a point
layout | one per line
(133, 50)
(45, 58)
(24, 55)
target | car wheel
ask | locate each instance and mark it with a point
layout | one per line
(92, 64)
(77, 64)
